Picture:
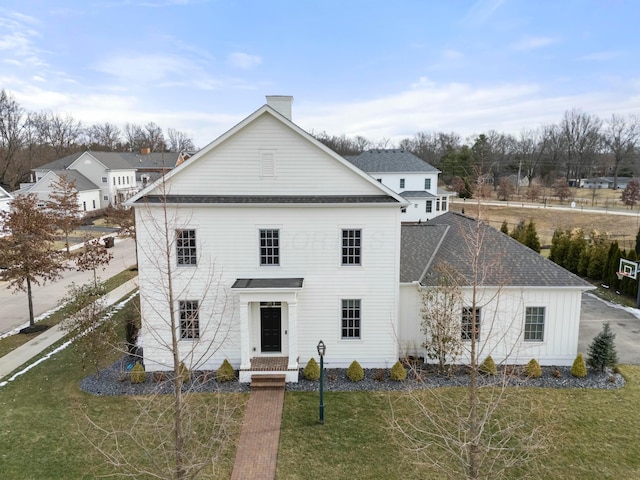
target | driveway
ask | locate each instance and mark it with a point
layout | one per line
(623, 322)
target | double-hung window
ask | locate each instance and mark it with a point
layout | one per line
(351, 318)
(351, 247)
(402, 183)
(269, 247)
(429, 206)
(427, 184)
(469, 320)
(534, 324)
(189, 319)
(186, 253)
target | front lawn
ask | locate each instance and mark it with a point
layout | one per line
(43, 418)
(595, 435)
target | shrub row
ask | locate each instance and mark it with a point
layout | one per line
(225, 373)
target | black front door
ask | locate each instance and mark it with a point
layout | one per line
(270, 326)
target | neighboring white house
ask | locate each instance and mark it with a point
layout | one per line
(413, 178)
(88, 192)
(277, 242)
(5, 200)
(113, 174)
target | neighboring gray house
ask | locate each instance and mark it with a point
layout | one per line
(88, 192)
(411, 177)
(118, 175)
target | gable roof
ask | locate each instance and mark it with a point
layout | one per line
(60, 164)
(268, 110)
(391, 161)
(82, 182)
(504, 261)
(4, 195)
(117, 160)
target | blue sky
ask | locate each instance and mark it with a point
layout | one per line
(381, 69)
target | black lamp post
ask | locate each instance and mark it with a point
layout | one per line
(321, 350)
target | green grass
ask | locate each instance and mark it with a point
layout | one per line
(594, 435)
(43, 420)
(12, 342)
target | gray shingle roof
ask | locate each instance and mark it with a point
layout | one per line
(118, 160)
(448, 239)
(268, 199)
(82, 182)
(60, 164)
(417, 194)
(268, 283)
(394, 160)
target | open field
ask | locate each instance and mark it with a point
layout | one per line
(547, 220)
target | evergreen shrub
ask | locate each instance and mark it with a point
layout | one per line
(398, 372)
(533, 369)
(225, 372)
(488, 367)
(138, 375)
(579, 368)
(312, 370)
(355, 373)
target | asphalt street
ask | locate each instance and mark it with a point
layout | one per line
(14, 311)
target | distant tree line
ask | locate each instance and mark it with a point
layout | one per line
(579, 146)
(30, 139)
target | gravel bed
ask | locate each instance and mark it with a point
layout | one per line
(115, 381)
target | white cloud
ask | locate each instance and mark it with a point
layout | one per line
(481, 11)
(452, 54)
(600, 56)
(17, 39)
(533, 43)
(243, 60)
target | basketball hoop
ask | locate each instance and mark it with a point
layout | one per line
(622, 275)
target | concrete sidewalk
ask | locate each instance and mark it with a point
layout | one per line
(21, 355)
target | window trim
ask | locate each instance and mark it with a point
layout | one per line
(402, 183)
(356, 255)
(354, 331)
(189, 325)
(186, 252)
(427, 184)
(264, 256)
(529, 332)
(466, 325)
(428, 206)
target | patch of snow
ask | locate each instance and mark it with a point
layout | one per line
(633, 311)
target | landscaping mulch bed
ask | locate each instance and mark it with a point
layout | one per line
(115, 380)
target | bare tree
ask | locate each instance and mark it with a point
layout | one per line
(621, 138)
(93, 256)
(631, 194)
(26, 249)
(149, 136)
(61, 133)
(11, 136)
(179, 141)
(104, 136)
(95, 332)
(581, 132)
(64, 206)
(505, 189)
(484, 430)
(185, 434)
(561, 189)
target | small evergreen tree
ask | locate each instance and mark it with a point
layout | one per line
(312, 370)
(579, 369)
(602, 351)
(638, 242)
(488, 367)
(530, 237)
(504, 228)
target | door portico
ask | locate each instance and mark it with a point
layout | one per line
(268, 320)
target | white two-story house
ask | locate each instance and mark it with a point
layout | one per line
(266, 242)
(414, 179)
(109, 171)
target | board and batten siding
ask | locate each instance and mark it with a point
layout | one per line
(502, 324)
(310, 239)
(300, 167)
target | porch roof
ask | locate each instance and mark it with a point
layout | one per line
(282, 283)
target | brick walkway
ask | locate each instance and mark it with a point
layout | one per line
(258, 448)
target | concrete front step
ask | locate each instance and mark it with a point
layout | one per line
(268, 381)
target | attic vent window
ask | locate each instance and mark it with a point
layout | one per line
(268, 163)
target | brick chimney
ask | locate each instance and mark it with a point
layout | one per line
(281, 104)
(145, 150)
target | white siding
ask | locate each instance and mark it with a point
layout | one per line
(503, 317)
(412, 181)
(300, 168)
(310, 248)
